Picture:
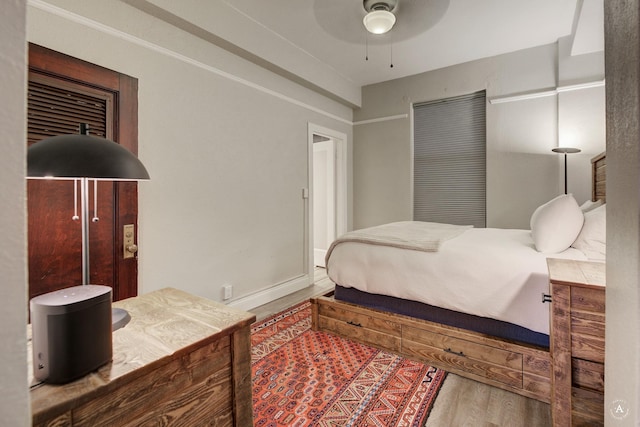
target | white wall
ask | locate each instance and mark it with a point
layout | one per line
(225, 143)
(581, 114)
(522, 171)
(14, 404)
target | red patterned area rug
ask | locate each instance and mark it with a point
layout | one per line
(306, 378)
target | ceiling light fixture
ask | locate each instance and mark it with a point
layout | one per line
(379, 21)
(379, 18)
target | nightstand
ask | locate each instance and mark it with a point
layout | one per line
(181, 360)
(577, 325)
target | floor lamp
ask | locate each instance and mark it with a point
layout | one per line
(565, 151)
(84, 158)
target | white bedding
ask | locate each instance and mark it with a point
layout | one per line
(417, 235)
(488, 272)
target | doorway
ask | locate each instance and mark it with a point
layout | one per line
(324, 197)
(328, 212)
(64, 91)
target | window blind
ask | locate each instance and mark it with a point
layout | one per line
(449, 161)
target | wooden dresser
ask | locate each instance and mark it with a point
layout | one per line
(577, 342)
(181, 361)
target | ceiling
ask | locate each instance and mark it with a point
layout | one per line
(323, 44)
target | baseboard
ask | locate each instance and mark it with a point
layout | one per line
(318, 257)
(273, 293)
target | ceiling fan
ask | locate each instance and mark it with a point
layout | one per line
(402, 19)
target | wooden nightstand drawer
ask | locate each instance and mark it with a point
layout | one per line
(587, 347)
(587, 407)
(587, 324)
(587, 374)
(588, 300)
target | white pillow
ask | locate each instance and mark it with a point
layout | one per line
(589, 205)
(592, 239)
(556, 224)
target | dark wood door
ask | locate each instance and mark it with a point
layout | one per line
(64, 92)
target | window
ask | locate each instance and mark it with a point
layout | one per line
(449, 161)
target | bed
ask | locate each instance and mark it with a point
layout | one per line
(469, 300)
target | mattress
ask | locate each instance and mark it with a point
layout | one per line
(484, 325)
(484, 272)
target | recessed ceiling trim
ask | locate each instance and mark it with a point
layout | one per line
(545, 93)
(381, 119)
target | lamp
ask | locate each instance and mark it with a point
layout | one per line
(379, 18)
(379, 21)
(83, 157)
(565, 151)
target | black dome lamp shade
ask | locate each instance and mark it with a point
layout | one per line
(81, 157)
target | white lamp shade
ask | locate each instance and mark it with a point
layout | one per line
(379, 21)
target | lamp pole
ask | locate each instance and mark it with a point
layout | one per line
(84, 206)
(565, 151)
(84, 202)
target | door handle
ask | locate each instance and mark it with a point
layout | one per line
(129, 246)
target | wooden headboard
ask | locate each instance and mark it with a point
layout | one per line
(599, 177)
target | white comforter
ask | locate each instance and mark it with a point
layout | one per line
(417, 235)
(488, 272)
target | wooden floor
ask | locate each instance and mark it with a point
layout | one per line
(464, 402)
(322, 285)
(460, 402)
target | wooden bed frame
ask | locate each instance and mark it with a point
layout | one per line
(599, 177)
(509, 365)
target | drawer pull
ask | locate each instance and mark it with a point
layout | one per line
(460, 353)
(546, 298)
(354, 324)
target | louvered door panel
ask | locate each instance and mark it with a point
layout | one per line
(55, 108)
